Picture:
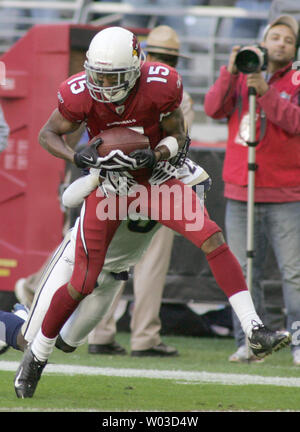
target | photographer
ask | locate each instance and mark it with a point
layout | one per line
(277, 174)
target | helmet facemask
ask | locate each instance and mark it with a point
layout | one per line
(124, 81)
(114, 56)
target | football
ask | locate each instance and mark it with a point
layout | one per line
(121, 138)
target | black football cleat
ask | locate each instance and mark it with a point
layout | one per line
(28, 375)
(264, 341)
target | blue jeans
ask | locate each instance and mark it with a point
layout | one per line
(279, 226)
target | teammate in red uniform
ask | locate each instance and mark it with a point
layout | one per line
(118, 89)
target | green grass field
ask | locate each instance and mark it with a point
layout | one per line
(111, 393)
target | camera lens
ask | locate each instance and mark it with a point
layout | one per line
(247, 61)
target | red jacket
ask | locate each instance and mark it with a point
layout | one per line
(278, 151)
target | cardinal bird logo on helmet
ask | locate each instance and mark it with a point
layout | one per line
(135, 46)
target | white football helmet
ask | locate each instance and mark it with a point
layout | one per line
(115, 53)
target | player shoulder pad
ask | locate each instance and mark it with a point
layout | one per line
(74, 100)
(163, 85)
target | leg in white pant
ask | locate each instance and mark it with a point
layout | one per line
(149, 280)
(105, 332)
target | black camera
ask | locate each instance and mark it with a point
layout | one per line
(252, 59)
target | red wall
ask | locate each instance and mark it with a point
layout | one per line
(30, 216)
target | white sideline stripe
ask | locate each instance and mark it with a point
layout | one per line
(204, 377)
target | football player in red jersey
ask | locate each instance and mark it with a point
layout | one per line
(118, 89)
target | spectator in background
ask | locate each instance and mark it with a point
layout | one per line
(277, 187)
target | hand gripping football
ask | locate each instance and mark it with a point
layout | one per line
(120, 138)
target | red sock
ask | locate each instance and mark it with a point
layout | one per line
(61, 308)
(226, 270)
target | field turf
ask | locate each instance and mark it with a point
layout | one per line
(200, 379)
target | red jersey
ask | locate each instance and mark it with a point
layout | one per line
(158, 91)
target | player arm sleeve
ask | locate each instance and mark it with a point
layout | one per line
(280, 111)
(72, 106)
(75, 194)
(220, 99)
(169, 96)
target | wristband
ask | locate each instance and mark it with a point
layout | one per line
(171, 143)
